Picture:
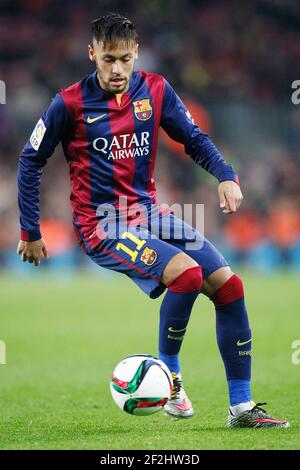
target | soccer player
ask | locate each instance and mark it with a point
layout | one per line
(108, 124)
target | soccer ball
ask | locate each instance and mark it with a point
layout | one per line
(141, 384)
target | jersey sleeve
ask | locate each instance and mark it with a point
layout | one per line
(180, 126)
(51, 128)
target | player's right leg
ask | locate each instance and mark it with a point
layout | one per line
(183, 277)
(155, 265)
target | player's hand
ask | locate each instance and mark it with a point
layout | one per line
(230, 196)
(32, 251)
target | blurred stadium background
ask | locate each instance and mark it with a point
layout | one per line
(233, 64)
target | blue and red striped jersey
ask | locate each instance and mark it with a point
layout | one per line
(110, 147)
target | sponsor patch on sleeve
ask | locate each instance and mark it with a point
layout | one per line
(38, 134)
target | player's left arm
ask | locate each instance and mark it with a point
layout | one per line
(180, 126)
(230, 196)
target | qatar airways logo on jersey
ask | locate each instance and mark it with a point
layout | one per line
(124, 146)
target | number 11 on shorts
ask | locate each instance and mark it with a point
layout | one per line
(132, 253)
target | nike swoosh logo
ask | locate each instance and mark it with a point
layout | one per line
(173, 330)
(244, 342)
(90, 120)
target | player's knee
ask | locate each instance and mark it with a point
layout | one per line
(231, 290)
(176, 266)
(189, 280)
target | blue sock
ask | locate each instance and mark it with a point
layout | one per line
(172, 361)
(175, 312)
(239, 391)
(233, 335)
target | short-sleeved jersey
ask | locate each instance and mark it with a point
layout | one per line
(110, 147)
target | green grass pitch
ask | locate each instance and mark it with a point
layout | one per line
(64, 336)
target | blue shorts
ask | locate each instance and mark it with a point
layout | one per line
(143, 252)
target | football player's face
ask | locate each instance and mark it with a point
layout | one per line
(114, 65)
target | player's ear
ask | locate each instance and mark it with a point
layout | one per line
(136, 51)
(91, 53)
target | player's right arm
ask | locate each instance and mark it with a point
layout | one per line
(49, 130)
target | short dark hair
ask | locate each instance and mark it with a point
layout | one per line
(113, 28)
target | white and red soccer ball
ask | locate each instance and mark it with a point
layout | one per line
(141, 384)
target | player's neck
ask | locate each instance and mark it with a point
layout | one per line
(118, 96)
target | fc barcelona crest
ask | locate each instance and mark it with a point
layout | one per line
(149, 256)
(143, 109)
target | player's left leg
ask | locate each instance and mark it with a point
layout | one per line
(225, 289)
(234, 337)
